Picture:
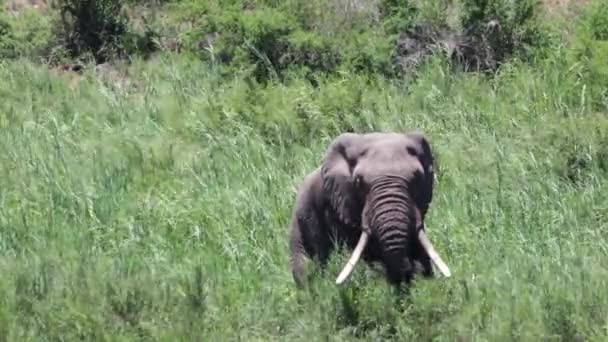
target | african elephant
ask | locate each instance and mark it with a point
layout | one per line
(371, 192)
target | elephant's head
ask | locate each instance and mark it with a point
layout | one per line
(383, 184)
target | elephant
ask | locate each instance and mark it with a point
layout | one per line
(371, 192)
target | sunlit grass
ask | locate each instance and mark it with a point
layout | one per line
(161, 211)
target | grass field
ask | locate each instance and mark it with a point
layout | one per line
(159, 210)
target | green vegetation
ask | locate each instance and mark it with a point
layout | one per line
(149, 197)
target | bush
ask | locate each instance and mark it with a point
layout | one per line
(507, 27)
(387, 37)
(101, 28)
(311, 50)
(266, 38)
(36, 35)
(232, 36)
(368, 52)
(397, 15)
(7, 38)
(93, 26)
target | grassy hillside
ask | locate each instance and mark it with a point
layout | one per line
(148, 199)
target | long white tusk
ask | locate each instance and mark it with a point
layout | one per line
(428, 246)
(350, 265)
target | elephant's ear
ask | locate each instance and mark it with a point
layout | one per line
(425, 156)
(337, 170)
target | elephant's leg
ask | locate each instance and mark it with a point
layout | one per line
(324, 247)
(308, 241)
(297, 254)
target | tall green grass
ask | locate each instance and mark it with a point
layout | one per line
(154, 204)
(160, 211)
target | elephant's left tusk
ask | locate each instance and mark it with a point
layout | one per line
(428, 246)
(350, 265)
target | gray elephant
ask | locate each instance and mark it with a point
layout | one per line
(372, 193)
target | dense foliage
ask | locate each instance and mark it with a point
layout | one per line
(150, 150)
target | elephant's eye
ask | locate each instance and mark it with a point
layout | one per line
(412, 151)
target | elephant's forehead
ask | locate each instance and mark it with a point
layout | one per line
(385, 137)
(391, 145)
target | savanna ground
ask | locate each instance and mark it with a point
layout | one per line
(149, 197)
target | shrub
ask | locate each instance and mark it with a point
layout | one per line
(266, 38)
(311, 50)
(7, 38)
(389, 37)
(506, 27)
(36, 35)
(230, 35)
(101, 28)
(397, 15)
(492, 32)
(93, 26)
(368, 52)
(264, 34)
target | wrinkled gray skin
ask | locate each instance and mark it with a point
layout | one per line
(380, 182)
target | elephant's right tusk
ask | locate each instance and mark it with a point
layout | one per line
(350, 265)
(430, 250)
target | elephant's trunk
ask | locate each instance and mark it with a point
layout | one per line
(393, 216)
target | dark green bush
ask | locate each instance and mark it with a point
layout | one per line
(7, 37)
(264, 33)
(101, 28)
(508, 27)
(93, 26)
(269, 37)
(368, 52)
(266, 38)
(311, 50)
(397, 15)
